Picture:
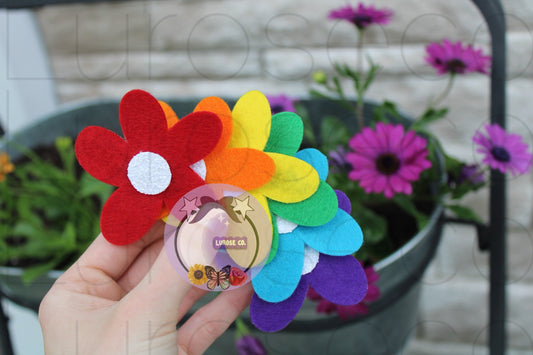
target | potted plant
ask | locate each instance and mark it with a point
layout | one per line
(400, 181)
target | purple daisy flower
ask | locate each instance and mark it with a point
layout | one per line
(387, 159)
(337, 160)
(362, 16)
(281, 103)
(249, 345)
(503, 151)
(456, 58)
(472, 174)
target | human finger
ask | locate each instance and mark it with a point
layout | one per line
(113, 260)
(210, 321)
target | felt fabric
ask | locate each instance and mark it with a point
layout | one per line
(278, 279)
(340, 236)
(275, 241)
(242, 166)
(93, 153)
(337, 279)
(219, 107)
(149, 173)
(310, 260)
(200, 168)
(293, 181)
(170, 115)
(318, 209)
(285, 226)
(271, 317)
(251, 121)
(344, 201)
(318, 160)
(286, 134)
(335, 273)
(129, 213)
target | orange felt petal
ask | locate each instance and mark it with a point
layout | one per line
(242, 167)
(170, 115)
(221, 109)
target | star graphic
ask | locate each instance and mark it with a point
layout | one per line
(242, 206)
(189, 206)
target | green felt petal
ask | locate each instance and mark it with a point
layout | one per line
(317, 210)
(275, 240)
(286, 134)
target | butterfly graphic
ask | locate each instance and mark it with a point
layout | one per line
(217, 278)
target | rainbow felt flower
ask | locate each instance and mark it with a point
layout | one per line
(503, 151)
(242, 158)
(151, 166)
(336, 275)
(387, 159)
(339, 236)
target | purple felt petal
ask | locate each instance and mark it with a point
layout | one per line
(344, 201)
(339, 279)
(271, 317)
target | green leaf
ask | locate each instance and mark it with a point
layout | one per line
(464, 213)
(429, 116)
(90, 186)
(408, 206)
(333, 133)
(374, 226)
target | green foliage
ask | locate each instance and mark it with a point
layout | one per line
(441, 183)
(49, 212)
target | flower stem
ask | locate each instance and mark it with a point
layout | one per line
(360, 90)
(445, 93)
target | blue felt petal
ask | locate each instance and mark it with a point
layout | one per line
(340, 236)
(271, 317)
(339, 279)
(279, 278)
(316, 159)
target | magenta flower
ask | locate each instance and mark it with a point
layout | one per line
(362, 16)
(387, 159)
(471, 173)
(249, 345)
(350, 311)
(281, 103)
(454, 58)
(503, 151)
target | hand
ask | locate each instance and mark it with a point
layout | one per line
(128, 300)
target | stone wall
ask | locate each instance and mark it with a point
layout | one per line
(198, 48)
(195, 48)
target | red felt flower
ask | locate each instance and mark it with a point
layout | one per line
(150, 166)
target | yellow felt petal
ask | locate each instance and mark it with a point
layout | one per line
(294, 180)
(220, 108)
(170, 115)
(251, 121)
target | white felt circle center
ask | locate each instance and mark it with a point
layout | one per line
(149, 173)
(311, 257)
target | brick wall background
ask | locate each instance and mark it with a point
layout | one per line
(195, 48)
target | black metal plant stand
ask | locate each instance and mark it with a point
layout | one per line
(493, 240)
